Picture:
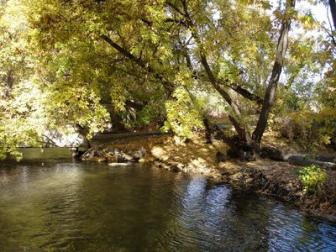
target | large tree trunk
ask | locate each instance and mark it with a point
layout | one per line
(83, 131)
(332, 4)
(271, 89)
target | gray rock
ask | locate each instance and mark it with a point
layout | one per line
(139, 154)
(124, 158)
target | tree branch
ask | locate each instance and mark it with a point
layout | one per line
(246, 94)
(168, 85)
(213, 80)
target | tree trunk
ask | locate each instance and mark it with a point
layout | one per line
(332, 4)
(207, 130)
(9, 83)
(84, 133)
(271, 89)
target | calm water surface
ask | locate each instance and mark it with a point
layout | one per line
(64, 206)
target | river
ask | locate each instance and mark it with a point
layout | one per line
(60, 205)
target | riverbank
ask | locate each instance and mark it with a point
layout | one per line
(263, 176)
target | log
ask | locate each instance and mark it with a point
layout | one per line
(302, 160)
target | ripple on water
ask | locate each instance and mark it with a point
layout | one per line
(93, 207)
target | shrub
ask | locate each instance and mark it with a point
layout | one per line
(313, 178)
(310, 130)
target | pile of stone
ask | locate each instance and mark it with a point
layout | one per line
(114, 156)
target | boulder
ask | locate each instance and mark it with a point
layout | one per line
(159, 153)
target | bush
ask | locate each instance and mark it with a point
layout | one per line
(313, 178)
(310, 130)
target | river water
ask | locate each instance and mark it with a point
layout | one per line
(64, 206)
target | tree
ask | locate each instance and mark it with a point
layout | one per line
(134, 62)
(168, 43)
(275, 76)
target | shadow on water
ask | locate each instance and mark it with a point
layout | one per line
(78, 206)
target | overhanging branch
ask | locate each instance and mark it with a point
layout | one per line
(168, 85)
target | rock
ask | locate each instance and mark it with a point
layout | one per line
(119, 164)
(180, 166)
(174, 169)
(90, 154)
(118, 156)
(101, 159)
(159, 153)
(111, 157)
(198, 165)
(221, 165)
(124, 158)
(179, 140)
(110, 149)
(271, 153)
(139, 154)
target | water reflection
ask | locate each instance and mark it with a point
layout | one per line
(73, 206)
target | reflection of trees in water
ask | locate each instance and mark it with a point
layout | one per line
(209, 221)
(61, 206)
(93, 207)
(4, 177)
(249, 222)
(290, 230)
(128, 208)
(40, 207)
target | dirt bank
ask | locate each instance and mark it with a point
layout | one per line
(262, 176)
